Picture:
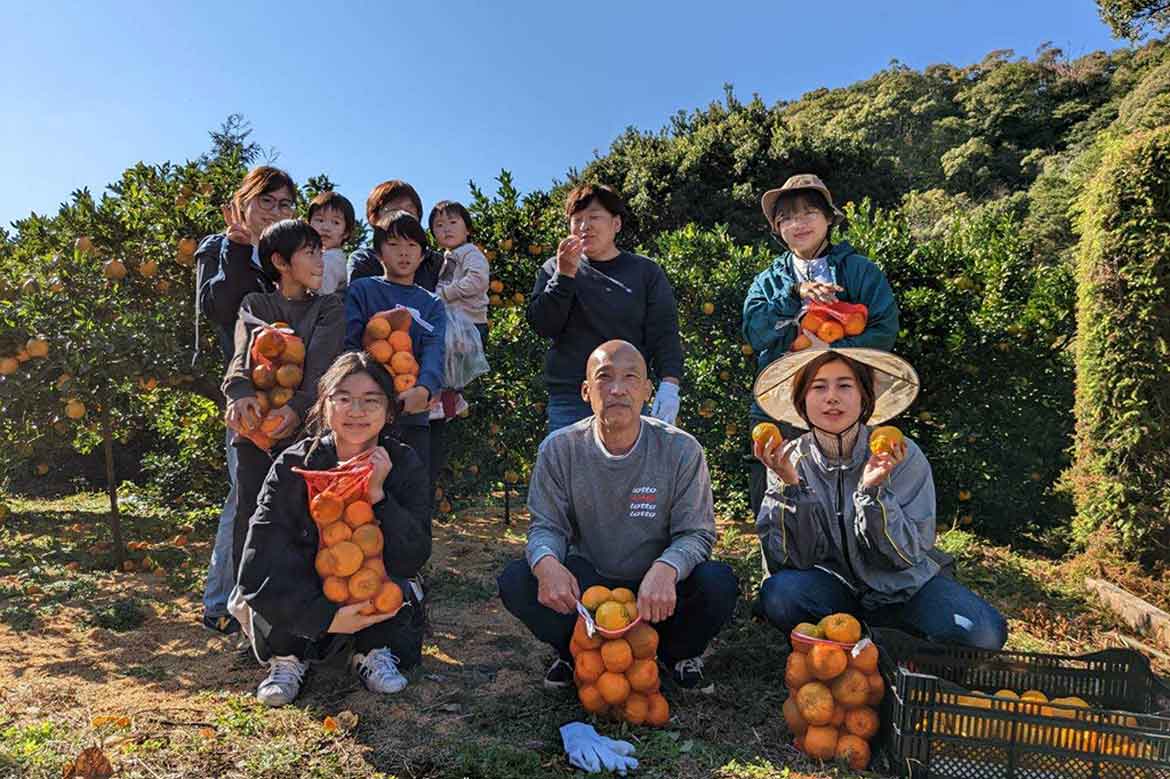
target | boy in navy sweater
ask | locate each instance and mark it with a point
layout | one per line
(400, 242)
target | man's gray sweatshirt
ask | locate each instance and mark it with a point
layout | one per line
(622, 513)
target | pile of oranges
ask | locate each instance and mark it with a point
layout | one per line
(830, 322)
(387, 340)
(618, 675)
(349, 556)
(278, 360)
(834, 689)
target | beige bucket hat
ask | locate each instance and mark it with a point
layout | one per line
(895, 383)
(801, 181)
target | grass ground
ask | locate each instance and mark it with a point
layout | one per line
(91, 657)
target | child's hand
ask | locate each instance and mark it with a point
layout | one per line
(380, 459)
(569, 256)
(243, 415)
(348, 620)
(289, 422)
(819, 291)
(415, 400)
(237, 231)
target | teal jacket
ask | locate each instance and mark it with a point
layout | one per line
(772, 303)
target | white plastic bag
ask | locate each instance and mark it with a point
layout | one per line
(464, 358)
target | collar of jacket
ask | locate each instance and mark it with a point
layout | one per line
(837, 255)
(858, 457)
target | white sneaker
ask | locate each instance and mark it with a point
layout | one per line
(379, 672)
(283, 684)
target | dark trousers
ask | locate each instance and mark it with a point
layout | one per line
(402, 635)
(706, 601)
(419, 438)
(252, 466)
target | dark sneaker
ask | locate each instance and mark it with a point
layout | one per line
(225, 625)
(559, 675)
(688, 673)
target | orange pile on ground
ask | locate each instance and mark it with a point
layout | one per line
(387, 340)
(349, 556)
(833, 691)
(618, 677)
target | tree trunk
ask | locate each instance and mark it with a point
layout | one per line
(112, 486)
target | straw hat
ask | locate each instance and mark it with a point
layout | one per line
(895, 383)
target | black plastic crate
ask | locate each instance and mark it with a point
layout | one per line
(933, 726)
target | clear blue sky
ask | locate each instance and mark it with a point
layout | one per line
(439, 93)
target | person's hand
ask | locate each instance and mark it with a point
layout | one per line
(348, 620)
(289, 420)
(237, 231)
(775, 456)
(569, 256)
(657, 595)
(817, 343)
(819, 291)
(879, 466)
(380, 459)
(557, 586)
(415, 400)
(666, 402)
(243, 415)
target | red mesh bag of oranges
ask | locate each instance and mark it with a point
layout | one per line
(387, 340)
(830, 322)
(834, 690)
(349, 547)
(277, 361)
(615, 659)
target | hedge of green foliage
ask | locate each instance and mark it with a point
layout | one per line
(1121, 475)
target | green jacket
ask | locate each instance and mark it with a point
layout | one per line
(772, 304)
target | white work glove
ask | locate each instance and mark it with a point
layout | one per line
(592, 752)
(665, 402)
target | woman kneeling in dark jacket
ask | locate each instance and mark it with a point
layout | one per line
(293, 622)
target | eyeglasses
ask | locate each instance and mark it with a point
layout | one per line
(269, 203)
(346, 402)
(786, 219)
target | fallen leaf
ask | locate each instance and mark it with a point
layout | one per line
(117, 721)
(90, 764)
(347, 720)
(207, 732)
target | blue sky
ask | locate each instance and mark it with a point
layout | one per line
(439, 93)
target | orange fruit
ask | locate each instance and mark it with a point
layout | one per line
(589, 665)
(262, 399)
(263, 377)
(636, 708)
(591, 699)
(325, 508)
(294, 351)
(643, 641)
(797, 672)
(841, 627)
(336, 589)
(827, 662)
(838, 718)
(851, 688)
(380, 350)
(801, 342)
(364, 584)
(877, 689)
(400, 319)
(376, 565)
(631, 610)
(883, 439)
(269, 343)
(403, 363)
(583, 639)
(378, 329)
(389, 598)
(797, 724)
(324, 563)
(368, 537)
(623, 595)
(280, 396)
(831, 331)
(347, 558)
(617, 655)
(658, 710)
(854, 324)
(403, 382)
(334, 533)
(400, 341)
(574, 650)
(613, 687)
(853, 750)
(359, 513)
(611, 615)
(815, 702)
(865, 660)
(642, 675)
(810, 630)
(596, 595)
(820, 741)
(270, 424)
(765, 432)
(812, 321)
(862, 721)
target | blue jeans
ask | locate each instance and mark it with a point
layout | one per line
(221, 573)
(943, 610)
(565, 408)
(706, 601)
